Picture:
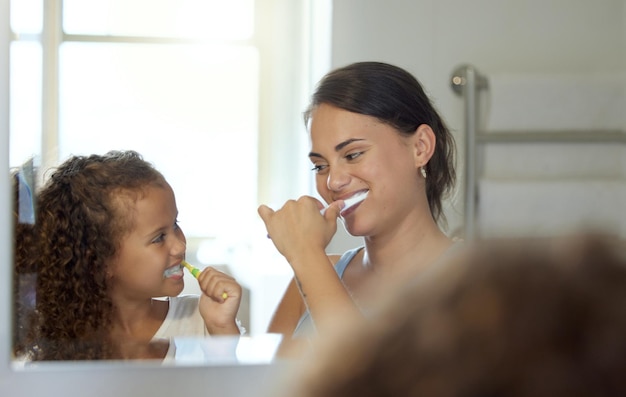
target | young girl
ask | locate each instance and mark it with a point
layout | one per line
(373, 131)
(107, 245)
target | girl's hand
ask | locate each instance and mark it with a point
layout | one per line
(219, 302)
(299, 227)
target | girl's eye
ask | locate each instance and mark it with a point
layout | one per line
(159, 238)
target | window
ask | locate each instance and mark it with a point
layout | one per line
(211, 92)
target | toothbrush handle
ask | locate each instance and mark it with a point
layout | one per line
(193, 270)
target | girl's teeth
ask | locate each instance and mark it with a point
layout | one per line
(174, 270)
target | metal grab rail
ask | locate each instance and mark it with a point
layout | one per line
(467, 82)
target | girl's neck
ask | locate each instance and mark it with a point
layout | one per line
(139, 320)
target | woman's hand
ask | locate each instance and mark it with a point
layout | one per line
(298, 226)
(219, 302)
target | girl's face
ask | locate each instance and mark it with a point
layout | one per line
(148, 263)
(351, 153)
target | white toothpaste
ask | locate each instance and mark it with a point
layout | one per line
(349, 202)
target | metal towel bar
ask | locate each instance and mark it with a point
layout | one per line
(467, 82)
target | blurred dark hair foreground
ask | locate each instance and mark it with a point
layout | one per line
(524, 317)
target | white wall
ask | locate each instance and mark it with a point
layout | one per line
(505, 40)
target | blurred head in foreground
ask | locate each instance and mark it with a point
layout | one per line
(524, 317)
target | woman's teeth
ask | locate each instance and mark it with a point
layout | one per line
(354, 200)
(173, 271)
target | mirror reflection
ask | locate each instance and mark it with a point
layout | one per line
(183, 88)
(207, 103)
(105, 242)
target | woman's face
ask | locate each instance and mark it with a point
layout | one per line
(149, 258)
(351, 153)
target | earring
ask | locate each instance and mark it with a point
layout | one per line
(423, 171)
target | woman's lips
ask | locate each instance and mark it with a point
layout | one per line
(352, 202)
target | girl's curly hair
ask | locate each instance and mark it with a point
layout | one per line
(82, 214)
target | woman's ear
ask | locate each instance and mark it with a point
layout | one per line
(424, 141)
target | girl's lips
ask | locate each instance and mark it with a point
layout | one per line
(173, 272)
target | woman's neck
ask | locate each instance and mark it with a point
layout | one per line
(407, 250)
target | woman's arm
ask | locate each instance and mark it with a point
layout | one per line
(285, 320)
(301, 235)
(288, 312)
(291, 307)
(321, 289)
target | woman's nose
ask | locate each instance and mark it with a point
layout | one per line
(337, 178)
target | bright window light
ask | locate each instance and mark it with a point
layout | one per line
(212, 19)
(27, 16)
(25, 98)
(191, 110)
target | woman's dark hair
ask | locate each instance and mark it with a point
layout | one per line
(82, 214)
(396, 98)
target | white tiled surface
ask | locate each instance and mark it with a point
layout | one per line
(549, 188)
(563, 101)
(545, 188)
(547, 207)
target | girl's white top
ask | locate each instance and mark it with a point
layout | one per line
(184, 323)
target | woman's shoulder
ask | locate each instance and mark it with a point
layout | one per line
(344, 260)
(338, 259)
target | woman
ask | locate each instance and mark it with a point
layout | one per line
(373, 130)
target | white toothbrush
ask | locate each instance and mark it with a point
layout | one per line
(350, 202)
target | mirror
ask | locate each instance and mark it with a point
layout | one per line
(191, 88)
(551, 43)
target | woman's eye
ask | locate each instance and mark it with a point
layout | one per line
(318, 168)
(352, 156)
